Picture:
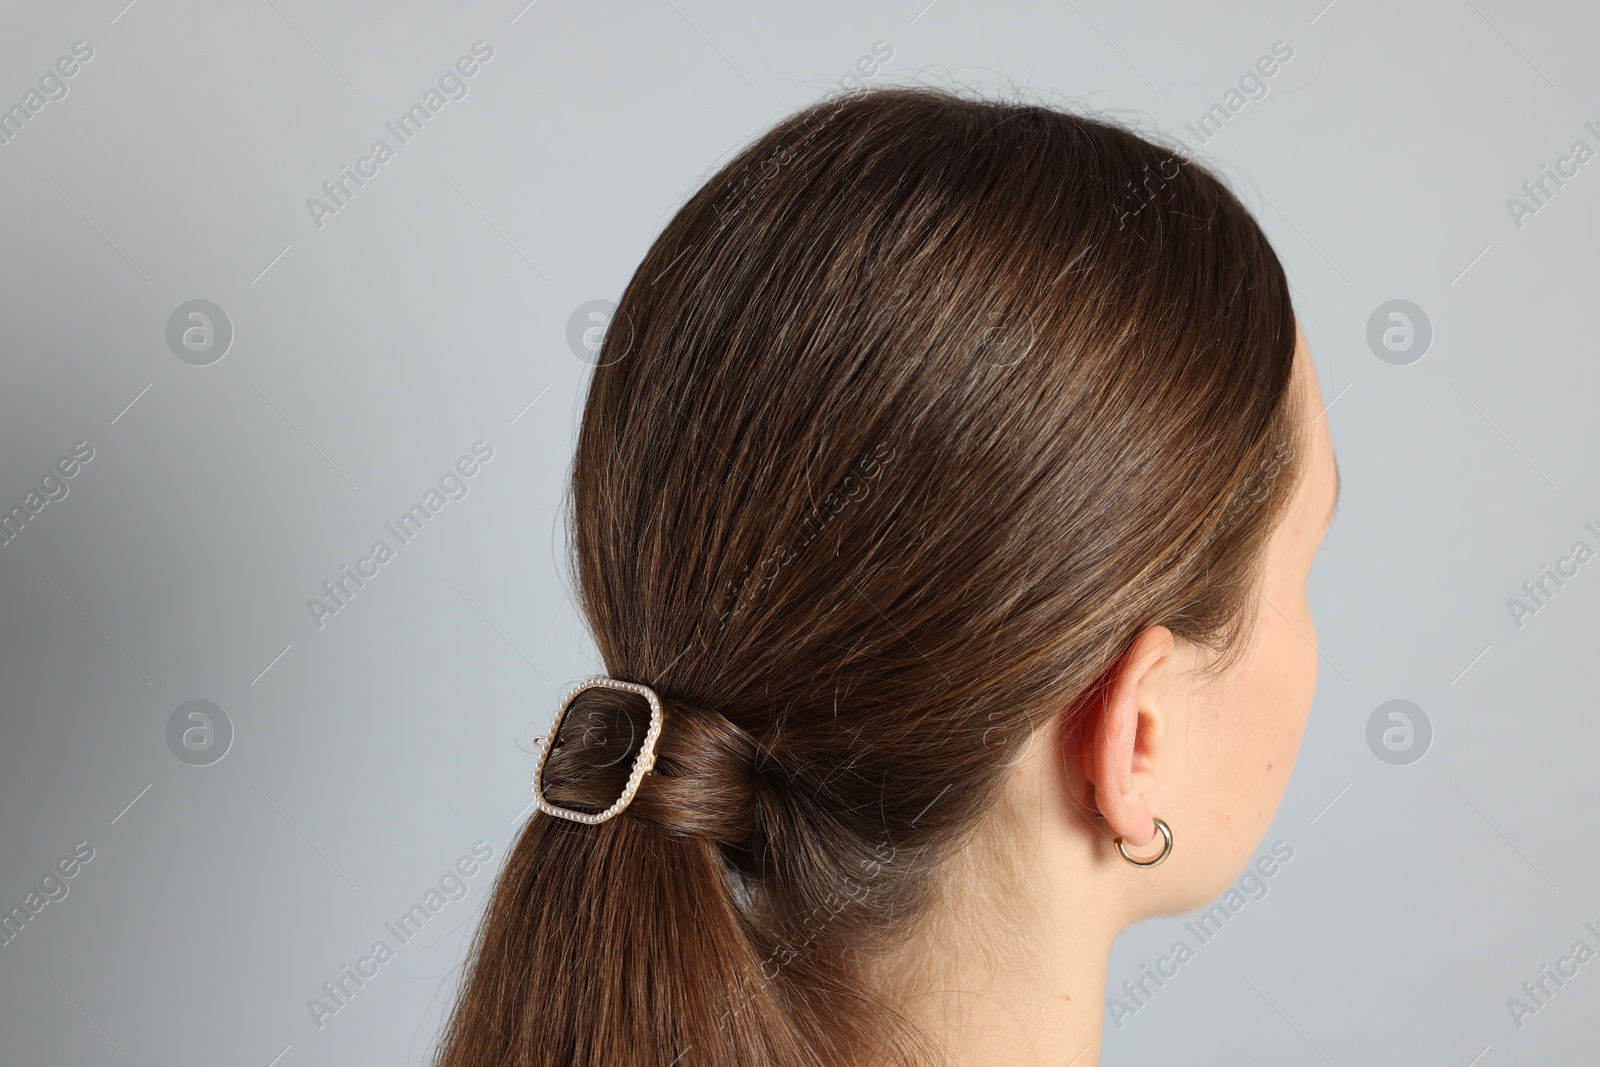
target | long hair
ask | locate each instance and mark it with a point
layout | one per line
(913, 416)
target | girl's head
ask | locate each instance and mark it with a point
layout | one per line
(952, 469)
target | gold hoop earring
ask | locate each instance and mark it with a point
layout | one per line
(1166, 847)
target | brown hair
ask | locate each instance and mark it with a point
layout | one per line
(914, 415)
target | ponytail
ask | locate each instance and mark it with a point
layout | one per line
(621, 942)
(614, 945)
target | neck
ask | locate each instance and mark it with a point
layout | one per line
(1013, 968)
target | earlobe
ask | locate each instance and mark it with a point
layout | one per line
(1124, 725)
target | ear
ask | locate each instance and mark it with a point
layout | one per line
(1120, 734)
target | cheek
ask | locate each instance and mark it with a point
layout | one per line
(1247, 731)
(1282, 697)
(1258, 728)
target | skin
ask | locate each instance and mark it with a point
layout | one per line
(1013, 971)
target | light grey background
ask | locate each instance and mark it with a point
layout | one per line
(433, 312)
